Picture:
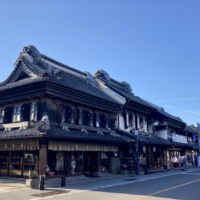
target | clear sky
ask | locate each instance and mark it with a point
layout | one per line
(152, 44)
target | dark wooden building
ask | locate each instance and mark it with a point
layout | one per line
(135, 116)
(54, 118)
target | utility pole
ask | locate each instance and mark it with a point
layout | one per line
(198, 131)
(136, 155)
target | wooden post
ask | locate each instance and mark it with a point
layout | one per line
(42, 159)
(97, 163)
(9, 158)
(86, 164)
(23, 160)
(66, 163)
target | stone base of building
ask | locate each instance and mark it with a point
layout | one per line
(123, 172)
(32, 183)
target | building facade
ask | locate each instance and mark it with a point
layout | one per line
(55, 119)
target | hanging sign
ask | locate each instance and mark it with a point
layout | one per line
(179, 138)
(194, 136)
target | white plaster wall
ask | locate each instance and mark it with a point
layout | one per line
(121, 122)
(150, 127)
(162, 133)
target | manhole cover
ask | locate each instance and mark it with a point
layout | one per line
(47, 194)
(130, 179)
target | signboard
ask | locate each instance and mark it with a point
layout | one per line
(194, 137)
(179, 138)
(165, 157)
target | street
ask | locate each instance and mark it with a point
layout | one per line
(165, 185)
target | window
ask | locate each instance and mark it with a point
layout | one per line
(68, 114)
(2, 111)
(103, 121)
(74, 162)
(86, 120)
(105, 161)
(34, 112)
(17, 114)
(56, 162)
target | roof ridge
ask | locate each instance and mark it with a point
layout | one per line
(61, 64)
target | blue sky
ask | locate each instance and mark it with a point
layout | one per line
(154, 45)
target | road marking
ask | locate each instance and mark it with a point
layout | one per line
(166, 190)
(190, 173)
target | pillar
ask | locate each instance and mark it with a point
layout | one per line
(133, 121)
(86, 163)
(138, 122)
(42, 159)
(97, 170)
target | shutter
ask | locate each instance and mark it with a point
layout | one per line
(127, 119)
(14, 114)
(8, 114)
(2, 115)
(72, 115)
(32, 112)
(18, 117)
(68, 114)
(63, 113)
(36, 112)
(80, 117)
(91, 119)
(107, 121)
(88, 118)
(97, 119)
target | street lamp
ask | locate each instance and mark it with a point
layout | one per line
(136, 154)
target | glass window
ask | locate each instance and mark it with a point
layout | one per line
(56, 162)
(3, 162)
(16, 163)
(105, 161)
(30, 162)
(75, 162)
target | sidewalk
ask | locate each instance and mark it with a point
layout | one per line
(21, 183)
(85, 185)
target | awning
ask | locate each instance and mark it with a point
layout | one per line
(72, 146)
(19, 145)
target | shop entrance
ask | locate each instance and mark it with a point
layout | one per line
(91, 162)
(18, 163)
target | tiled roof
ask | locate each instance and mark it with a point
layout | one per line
(125, 94)
(170, 116)
(191, 128)
(67, 79)
(55, 131)
(178, 144)
(151, 139)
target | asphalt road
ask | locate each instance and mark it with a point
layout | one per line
(177, 186)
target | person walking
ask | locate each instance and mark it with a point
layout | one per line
(178, 162)
(181, 159)
(199, 160)
(174, 161)
(185, 163)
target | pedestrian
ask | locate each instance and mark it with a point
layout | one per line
(174, 161)
(185, 163)
(199, 160)
(178, 162)
(181, 159)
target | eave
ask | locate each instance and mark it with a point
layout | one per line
(56, 90)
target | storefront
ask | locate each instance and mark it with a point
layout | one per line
(151, 156)
(18, 158)
(74, 159)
